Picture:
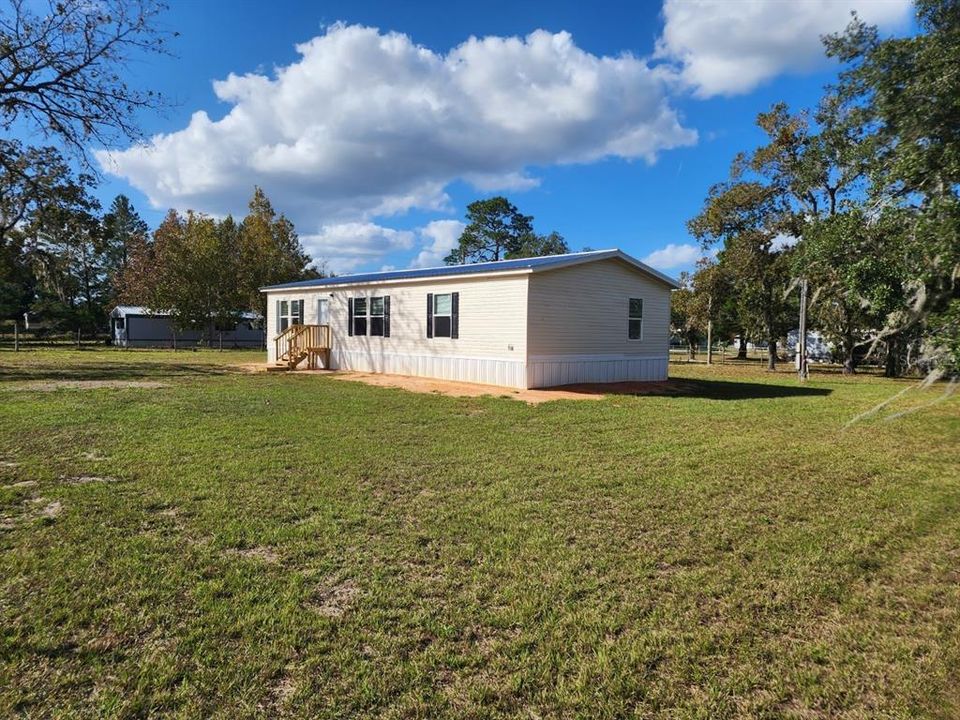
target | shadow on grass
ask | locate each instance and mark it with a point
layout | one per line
(707, 389)
(111, 371)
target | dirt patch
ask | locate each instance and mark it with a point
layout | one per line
(261, 553)
(284, 689)
(257, 367)
(594, 391)
(21, 484)
(87, 479)
(50, 510)
(53, 385)
(31, 510)
(335, 600)
(452, 388)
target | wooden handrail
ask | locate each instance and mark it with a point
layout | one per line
(294, 343)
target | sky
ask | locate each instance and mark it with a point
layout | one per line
(372, 125)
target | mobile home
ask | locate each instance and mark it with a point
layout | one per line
(590, 317)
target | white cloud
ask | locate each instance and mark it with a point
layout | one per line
(346, 246)
(367, 124)
(726, 47)
(674, 256)
(440, 237)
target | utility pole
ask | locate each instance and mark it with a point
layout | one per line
(802, 340)
(709, 329)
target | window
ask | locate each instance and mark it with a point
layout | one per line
(360, 316)
(119, 323)
(635, 319)
(442, 315)
(289, 313)
(369, 314)
(376, 316)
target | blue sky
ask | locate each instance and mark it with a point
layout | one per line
(607, 123)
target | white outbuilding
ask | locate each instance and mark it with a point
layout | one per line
(589, 317)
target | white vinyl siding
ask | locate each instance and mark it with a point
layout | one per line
(584, 311)
(559, 326)
(492, 321)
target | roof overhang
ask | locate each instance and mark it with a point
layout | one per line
(617, 255)
(393, 281)
(559, 262)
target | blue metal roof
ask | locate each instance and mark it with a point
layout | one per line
(533, 264)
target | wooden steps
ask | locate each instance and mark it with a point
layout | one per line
(302, 342)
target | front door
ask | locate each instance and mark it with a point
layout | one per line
(323, 311)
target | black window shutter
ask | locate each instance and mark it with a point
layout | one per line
(386, 316)
(429, 315)
(455, 315)
(350, 316)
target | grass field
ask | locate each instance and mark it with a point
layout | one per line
(234, 545)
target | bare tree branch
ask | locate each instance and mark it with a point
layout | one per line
(59, 69)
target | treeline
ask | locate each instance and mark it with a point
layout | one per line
(205, 271)
(66, 263)
(861, 197)
(60, 256)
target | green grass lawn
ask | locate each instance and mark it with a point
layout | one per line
(234, 545)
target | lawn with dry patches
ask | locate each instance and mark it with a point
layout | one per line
(240, 545)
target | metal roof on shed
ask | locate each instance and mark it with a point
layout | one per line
(128, 310)
(534, 264)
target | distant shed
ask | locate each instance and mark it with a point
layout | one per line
(136, 326)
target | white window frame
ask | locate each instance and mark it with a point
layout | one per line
(365, 315)
(448, 315)
(371, 315)
(289, 315)
(631, 318)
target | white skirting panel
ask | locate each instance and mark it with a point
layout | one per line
(548, 371)
(488, 371)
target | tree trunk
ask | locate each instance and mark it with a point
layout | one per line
(772, 355)
(849, 345)
(742, 350)
(691, 349)
(849, 361)
(891, 365)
